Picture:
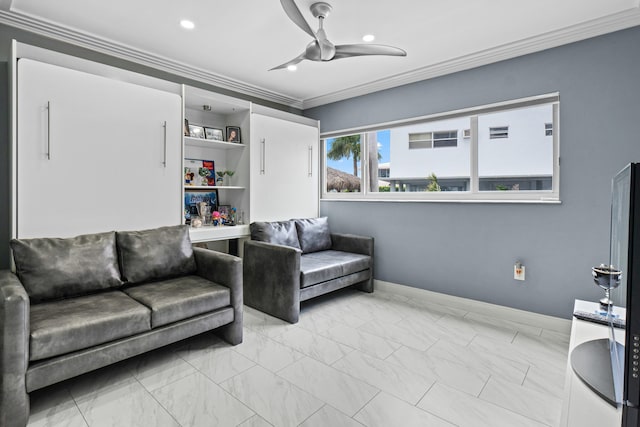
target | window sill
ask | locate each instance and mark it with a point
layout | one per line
(488, 201)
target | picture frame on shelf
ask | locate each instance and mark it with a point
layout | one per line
(193, 197)
(196, 131)
(186, 128)
(213, 134)
(199, 173)
(233, 134)
(225, 212)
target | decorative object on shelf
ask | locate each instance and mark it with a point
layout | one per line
(196, 131)
(220, 180)
(233, 134)
(193, 198)
(196, 222)
(230, 175)
(204, 210)
(607, 277)
(199, 172)
(217, 218)
(225, 213)
(213, 134)
(233, 217)
(186, 128)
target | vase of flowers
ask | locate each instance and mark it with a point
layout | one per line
(229, 175)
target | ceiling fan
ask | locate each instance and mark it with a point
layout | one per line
(321, 49)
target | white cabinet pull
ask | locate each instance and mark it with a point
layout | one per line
(310, 160)
(164, 161)
(263, 152)
(48, 130)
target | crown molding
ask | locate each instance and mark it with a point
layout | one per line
(129, 53)
(596, 27)
(619, 21)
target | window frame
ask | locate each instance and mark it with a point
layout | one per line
(474, 195)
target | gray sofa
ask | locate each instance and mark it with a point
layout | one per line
(78, 304)
(287, 262)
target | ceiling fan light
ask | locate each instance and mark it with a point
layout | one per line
(189, 25)
(292, 67)
(368, 38)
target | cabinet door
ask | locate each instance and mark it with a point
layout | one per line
(94, 154)
(284, 169)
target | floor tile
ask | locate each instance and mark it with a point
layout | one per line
(361, 340)
(312, 345)
(482, 361)
(525, 349)
(330, 417)
(453, 374)
(508, 324)
(424, 326)
(197, 401)
(160, 368)
(548, 379)
(394, 379)
(272, 397)
(338, 389)
(256, 421)
(532, 404)
(479, 326)
(317, 322)
(266, 352)
(263, 323)
(465, 410)
(385, 410)
(395, 334)
(54, 406)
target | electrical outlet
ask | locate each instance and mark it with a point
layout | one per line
(518, 271)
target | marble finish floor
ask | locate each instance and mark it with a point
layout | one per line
(354, 359)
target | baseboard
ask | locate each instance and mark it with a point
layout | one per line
(507, 313)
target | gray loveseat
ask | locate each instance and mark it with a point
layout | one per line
(287, 262)
(78, 304)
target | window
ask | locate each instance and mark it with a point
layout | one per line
(416, 159)
(499, 132)
(423, 140)
(548, 129)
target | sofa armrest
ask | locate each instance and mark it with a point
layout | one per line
(225, 270)
(272, 279)
(14, 350)
(351, 243)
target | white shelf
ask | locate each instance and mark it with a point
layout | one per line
(210, 143)
(212, 187)
(209, 234)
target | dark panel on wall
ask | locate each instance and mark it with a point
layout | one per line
(469, 250)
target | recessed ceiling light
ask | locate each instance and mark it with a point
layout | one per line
(369, 38)
(189, 25)
(292, 67)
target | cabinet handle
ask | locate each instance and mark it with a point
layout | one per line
(48, 130)
(310, 160)
(164, 126)
(263, 151)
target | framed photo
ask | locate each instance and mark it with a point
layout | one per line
(213, 134)
(233, 134)
(192, 198)
(186, 128)
(199, 173)
(196, 131)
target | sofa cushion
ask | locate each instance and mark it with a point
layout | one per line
(276, 232)
(180, 298)
(52, 268)
(158, 253)
(59, 327)
(318, 267)
(313, 234)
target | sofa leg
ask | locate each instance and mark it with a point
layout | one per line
(366, 286)
(231, 333)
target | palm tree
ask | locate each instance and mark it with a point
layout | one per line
(346, 146)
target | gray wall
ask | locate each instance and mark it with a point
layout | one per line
(469, 250)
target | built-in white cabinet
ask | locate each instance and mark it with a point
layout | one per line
(284, 167)
(93, 153)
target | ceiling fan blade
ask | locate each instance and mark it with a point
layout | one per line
(348, 50)
(295, 15)
(294, 61)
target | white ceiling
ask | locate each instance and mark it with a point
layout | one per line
(236, 42)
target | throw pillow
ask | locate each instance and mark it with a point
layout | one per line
(314, 234)
(276, 232)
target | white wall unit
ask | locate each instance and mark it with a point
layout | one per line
(284, 166)
(93, 153)
(581, 405)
